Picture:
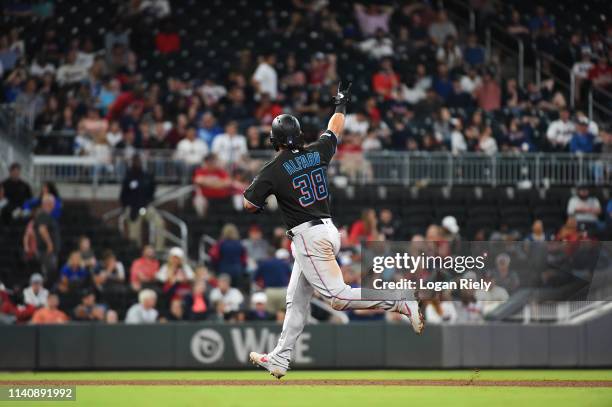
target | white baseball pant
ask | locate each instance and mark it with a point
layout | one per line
(314, 249)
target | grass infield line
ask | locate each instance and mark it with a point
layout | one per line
(322, 382)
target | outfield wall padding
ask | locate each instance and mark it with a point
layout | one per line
(321, 346)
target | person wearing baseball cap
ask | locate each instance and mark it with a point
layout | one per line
(450, 225)
(582, 141)
(36, 295)
(258, 310)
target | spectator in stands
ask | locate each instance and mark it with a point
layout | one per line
(36, 294)
(513, 97)
(47, 232)
(372, 18)
(29, 102)
(273, 276)
(212, 182)
(50, 313)
(440, 309)
(228, 255)
(176, 268)
(9, 312)
(458, 143)
(488, 95)
(450, 54)
(379, 46)
(196, 304)
(322, 70)
(259, 309)
(113, 268)
(469, 309)
(46, 188)
(601, 74)
(72, 71)
(450, 228)
(487, 143)
(365, 228)
(474, 53)
(176, 312)
(560, 131)
(584, 207)
(88, 257)
(537, 234)
(540, 20)
(144, 269)
(144, 311)
(230, 147)
(267, 110)
(442, 28)
(385, 81)
(517, 137)
(265, 78)
(137, 193)
(493, 297)
(503, 276)
(16, 191)
(227, 299)
(389, 226)
(470, 81)
(516, 26)
(209, 129)
(191, 150)
(442, 83)
(256, 246)
(581, 70)
(582, 140)
(569, 231)
(73, 274)
(88, 309)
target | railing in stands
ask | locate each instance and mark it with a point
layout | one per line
(388, 167)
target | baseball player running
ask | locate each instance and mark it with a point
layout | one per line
(297, 176)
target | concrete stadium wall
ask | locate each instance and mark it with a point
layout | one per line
(358, 345)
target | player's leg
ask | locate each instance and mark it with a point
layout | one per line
(299, 293)
(315, 251)
(316, 256)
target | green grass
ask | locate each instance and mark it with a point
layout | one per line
(323, 396)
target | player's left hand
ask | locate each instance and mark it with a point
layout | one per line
(343, 96)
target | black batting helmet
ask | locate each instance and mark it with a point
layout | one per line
(286, 132)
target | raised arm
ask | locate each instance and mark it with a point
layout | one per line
(342, 98)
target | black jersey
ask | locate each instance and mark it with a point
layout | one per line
(298, 179)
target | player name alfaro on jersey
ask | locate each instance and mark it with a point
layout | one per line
(301, 162)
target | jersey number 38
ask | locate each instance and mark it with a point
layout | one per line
(312, 186)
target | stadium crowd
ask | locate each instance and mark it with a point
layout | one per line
(431, 87)
(245, 278)
(421, 84)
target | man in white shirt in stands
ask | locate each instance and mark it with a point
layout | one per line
(265, 79)
(144, 312)
(36, 295)
(560, 131)
(71, 71)
(585, 208)
(191, 150)
(230, 298)
(230, 147)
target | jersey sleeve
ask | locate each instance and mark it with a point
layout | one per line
(326, 145)
(259, 190)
